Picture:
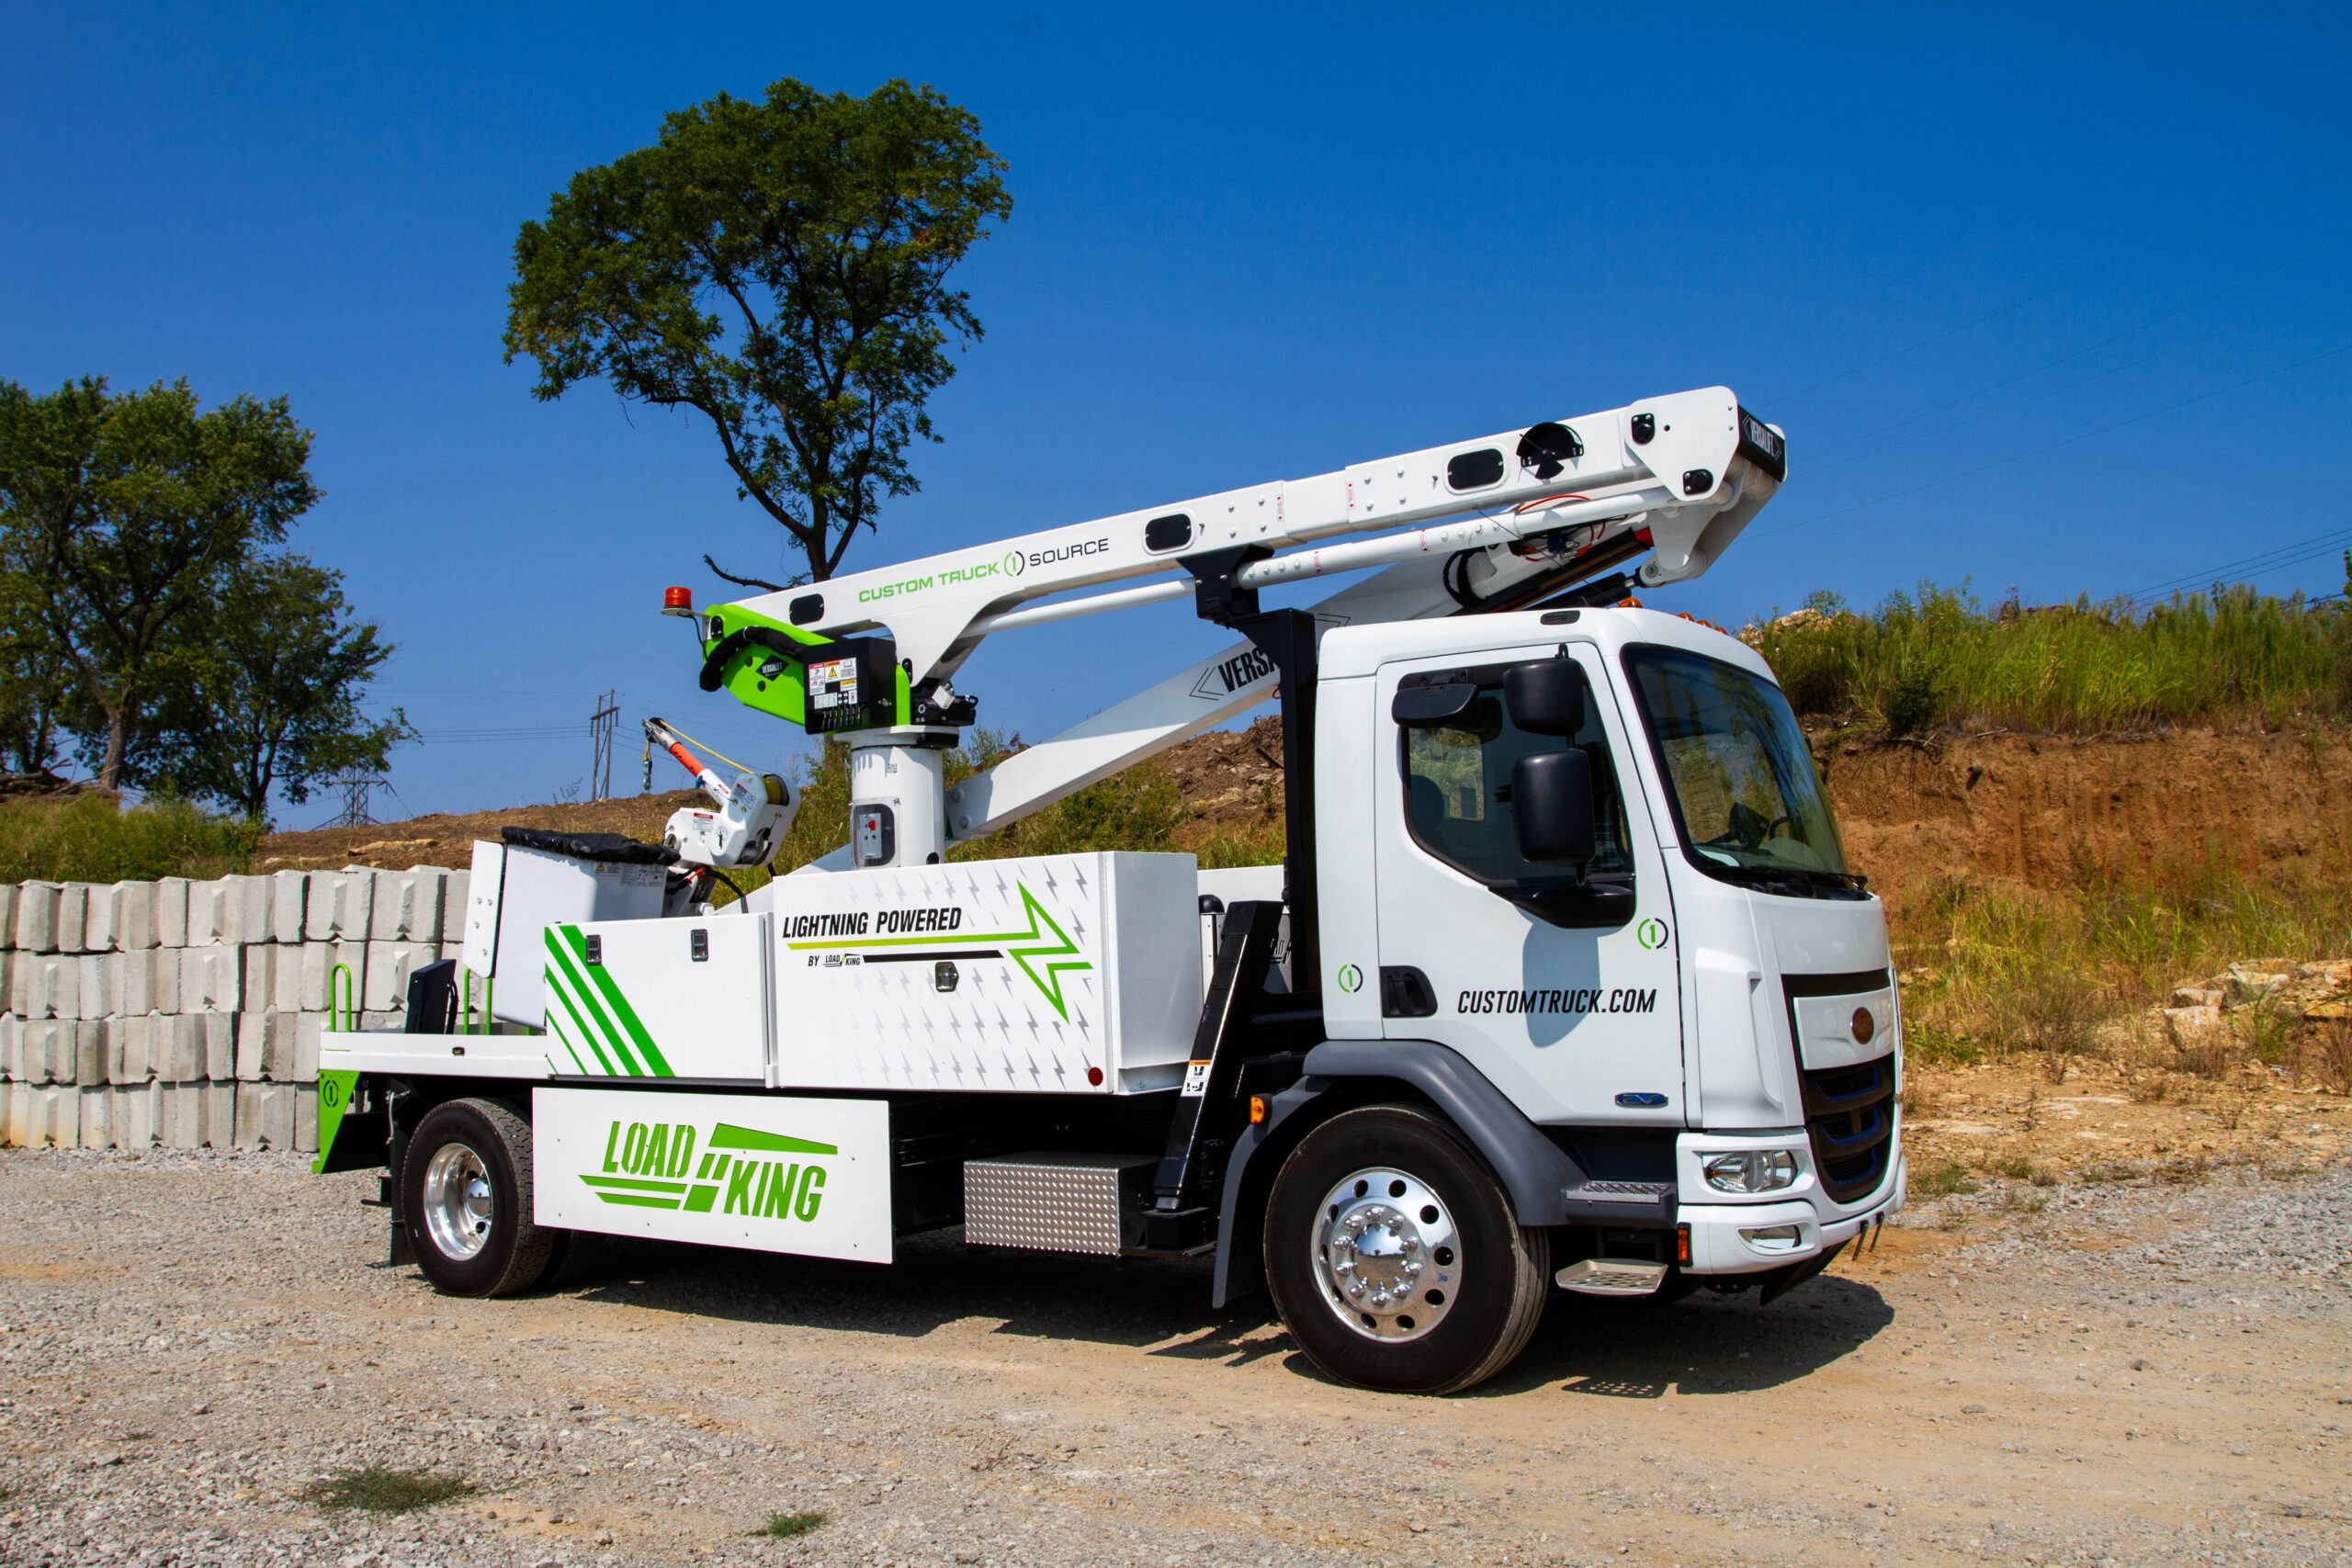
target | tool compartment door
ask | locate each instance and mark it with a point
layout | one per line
(1574, 1024)
(675, 999)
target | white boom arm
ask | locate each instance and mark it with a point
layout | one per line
(1678, 476)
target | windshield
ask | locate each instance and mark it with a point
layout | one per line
(1746, 794)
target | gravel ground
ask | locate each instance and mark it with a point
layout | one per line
(2124, 1374)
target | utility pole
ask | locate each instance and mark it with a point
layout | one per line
(600, 724)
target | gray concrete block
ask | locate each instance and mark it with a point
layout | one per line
(97, 917)
(265, 1116)
(96, 985)
(162, 977)
(73, 916)
(265, 1046)
(42, 1053)
(134, 1056)
(7, 914)
(289, 895)
(320, 990)
(309, 1033)
(138, 1115)
(62, 985)
(389, 964)
(258, 975)
(178, 1043)
(285, 981)
(16, 1114)
(453, 906)
(97, 1118)
(37, 917)
(340, 906)
(134, 916)
(199, 1116)
(245, 910)
(219, 1045)
(306, 1118)
(209, 979)
(89, 1051)
(135, 984)
(12, 1050)
(171, 911)
(28, 997)
(208, 911)
(383, 1021)
(408, 905)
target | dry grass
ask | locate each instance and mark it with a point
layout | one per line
(1995, 972)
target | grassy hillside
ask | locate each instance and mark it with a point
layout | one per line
(1938, 660)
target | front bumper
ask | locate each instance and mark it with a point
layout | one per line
(1724, 1238)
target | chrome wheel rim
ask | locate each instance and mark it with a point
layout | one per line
(1386, 1254)
(457, 1202)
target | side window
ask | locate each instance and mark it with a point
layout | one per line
(1457, 788)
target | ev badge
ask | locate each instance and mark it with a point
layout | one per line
(1651, 933)
(1351, 979)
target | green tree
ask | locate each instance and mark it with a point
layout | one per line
(121, 515)
(278, 672)
(779, 267)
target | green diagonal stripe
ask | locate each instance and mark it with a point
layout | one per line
(634, 1202)
(564, 958)
(635, 1183)
(728, 1136)
(603, 980)
(561, 985)
(555, 1027)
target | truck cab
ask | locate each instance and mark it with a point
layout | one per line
(1707, 1001)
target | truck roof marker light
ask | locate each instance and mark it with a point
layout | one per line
(676, 601)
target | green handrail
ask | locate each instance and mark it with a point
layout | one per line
(342, 1012)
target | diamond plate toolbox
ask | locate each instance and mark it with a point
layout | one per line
(1051, 1202)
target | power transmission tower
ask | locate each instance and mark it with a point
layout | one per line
(356, 787)
(600, 724)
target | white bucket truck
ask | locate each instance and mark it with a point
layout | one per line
(1565, 979)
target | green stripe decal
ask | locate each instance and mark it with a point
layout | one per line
(556, 1028)
(586, 1033)
(728, 1136)
(576, 990)
(626, 1201)
(603, 979)
(633, 1184)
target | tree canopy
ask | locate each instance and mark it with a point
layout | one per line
(144, 612)
(779, 267)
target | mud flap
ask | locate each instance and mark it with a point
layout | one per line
(1779, 1282)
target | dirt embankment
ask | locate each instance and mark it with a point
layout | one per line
(442, 839)
(2041, 811)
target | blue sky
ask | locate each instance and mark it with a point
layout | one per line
(2052, 296)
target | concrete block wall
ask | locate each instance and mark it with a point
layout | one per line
(190, 1014)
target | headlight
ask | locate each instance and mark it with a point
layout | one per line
(1751, 1171)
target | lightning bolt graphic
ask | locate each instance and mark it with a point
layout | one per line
(1050, 980)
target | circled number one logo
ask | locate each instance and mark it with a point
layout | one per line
(1651, 933)
(1351, 979)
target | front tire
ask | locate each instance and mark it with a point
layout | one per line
(466, 1193)
(1395, 1258)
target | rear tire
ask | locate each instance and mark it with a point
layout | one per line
(1395, 1258)
(466, 1193)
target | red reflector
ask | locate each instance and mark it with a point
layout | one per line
(677, 598)
(1094, 1077)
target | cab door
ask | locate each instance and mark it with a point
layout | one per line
(1578, 1022)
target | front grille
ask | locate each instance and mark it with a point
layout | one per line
(1849, 1115)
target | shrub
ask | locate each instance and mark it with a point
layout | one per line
(92, 838)
(381, 1489)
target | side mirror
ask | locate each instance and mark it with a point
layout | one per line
(1551, 806)
(1545, 696)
